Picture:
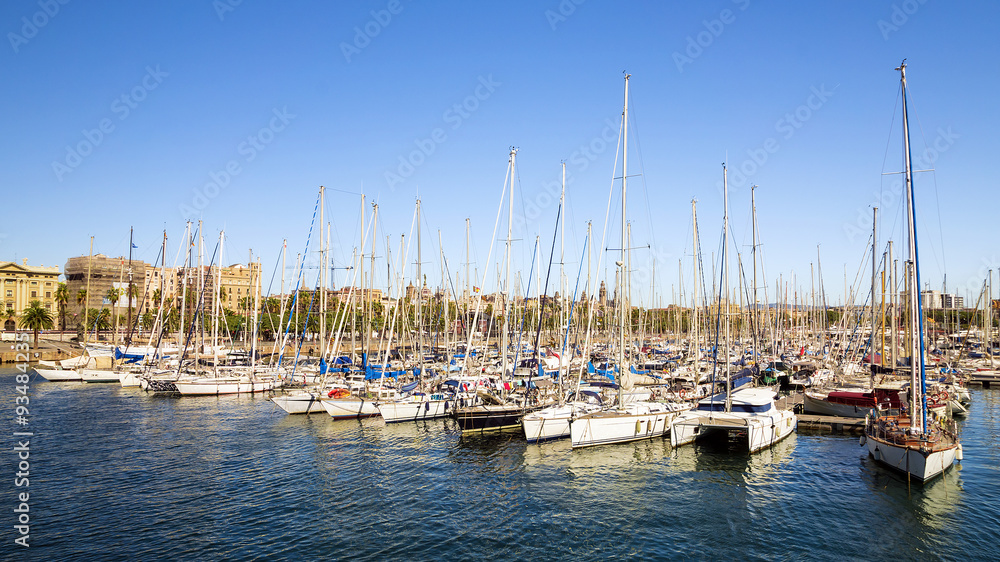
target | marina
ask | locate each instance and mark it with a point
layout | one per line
(393, 280)
(235, 477)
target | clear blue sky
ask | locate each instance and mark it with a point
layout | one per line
(294, 95)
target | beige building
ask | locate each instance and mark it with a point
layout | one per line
(22, 283)
(236, 282)
(105, 273)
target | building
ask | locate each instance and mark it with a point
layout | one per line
(236, 282)
(104, 273)
(934, 300)
(23, 283)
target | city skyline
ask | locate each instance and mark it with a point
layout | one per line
(236, 113)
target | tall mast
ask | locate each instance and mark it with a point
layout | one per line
(621, 263)
(128, 292)
(694, 310)
(420, 299)
(871, 346)
(322, 273)
(361, 273)
(562, 252)
(86, 295)
(753, 254)
(371, 283)
(506, 288)
(917, 403)
(892, 306)
(725, 280)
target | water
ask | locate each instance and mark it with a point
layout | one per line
(120, 474)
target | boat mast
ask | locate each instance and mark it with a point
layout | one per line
(86, 295)
(504, 342)
(695, 345)
(621, 263)
(725, 281)
(128, 289)
(871, 345)
(322, 273)
(918, 405)
(420, 299)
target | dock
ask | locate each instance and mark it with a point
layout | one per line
(817, 423)
(984, 378)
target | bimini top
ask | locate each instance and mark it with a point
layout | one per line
(747, 400)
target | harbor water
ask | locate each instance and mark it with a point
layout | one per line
(121, 474)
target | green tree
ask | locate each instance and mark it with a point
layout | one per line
(36, 318)
(62, 299)
(81, 301)
(8, 314)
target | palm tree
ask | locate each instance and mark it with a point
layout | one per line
(62, 299)
(36, 318)
(81, 301)
(8, 314)
(113, 295)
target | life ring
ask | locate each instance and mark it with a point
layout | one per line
(943, 395)
(682, 394)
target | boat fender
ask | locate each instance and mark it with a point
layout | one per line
(427, 406)
(958, 454)
(863, 439)
(638, 426)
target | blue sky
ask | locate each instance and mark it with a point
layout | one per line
(146, 114)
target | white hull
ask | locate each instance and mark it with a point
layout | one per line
(58, 374)
(128, 379)
(300, 402)
(95, 375)
(753, 418)
(631, 423)
(919, 464)
(761, 431)
(814, 405)
(350, 408)
(553, 422)
(413, 410)
(212, 387)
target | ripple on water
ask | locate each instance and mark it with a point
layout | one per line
(139, 476)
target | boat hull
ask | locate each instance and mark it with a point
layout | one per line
(215, 388)
(633, 423)
(761, 432)
(300, 403)
(95, 375)
(920, 464)
(489, 417)
(349, 408)
(58, 375)
(413, 410)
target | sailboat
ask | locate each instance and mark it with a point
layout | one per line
(910, 443)
(632, 421)
(748, 414)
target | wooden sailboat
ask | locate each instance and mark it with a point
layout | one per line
(910, 442)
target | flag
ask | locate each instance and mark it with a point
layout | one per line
(134, 246)
(475, 289)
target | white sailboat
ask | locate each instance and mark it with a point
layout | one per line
(749, 414)
(910, 443)
(632, 421)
